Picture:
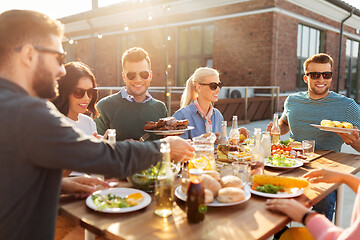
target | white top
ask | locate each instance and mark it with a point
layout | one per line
(85, 123)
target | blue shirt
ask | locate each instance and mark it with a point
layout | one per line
(300, 111)
(191, 113)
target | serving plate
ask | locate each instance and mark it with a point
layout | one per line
(294, 193)
(121, 192)
(170, 132)
(298, 163)
(335, 129)
(182, 196)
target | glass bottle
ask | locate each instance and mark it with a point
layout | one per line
(266, 144)
(112, 135)
(234, 137)
(257, 154)
(164, 184)
(195, 201)
(275, 130)
(222, 147)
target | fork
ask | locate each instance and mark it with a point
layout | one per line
(144, 137)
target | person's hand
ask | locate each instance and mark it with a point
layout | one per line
(323, 175)
(81, 186)
(269, 126)
(180, 149)
(98, 136)
(290, 207)
(244, 132)
(349, 138)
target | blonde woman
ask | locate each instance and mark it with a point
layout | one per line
(201, 91)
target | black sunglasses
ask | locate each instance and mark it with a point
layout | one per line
(60, 56)
(79, 92)
(316, 75)
(143, 74)
(213, 86)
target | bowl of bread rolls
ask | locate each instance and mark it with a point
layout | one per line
(219, 191)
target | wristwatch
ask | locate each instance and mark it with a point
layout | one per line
(306, 215)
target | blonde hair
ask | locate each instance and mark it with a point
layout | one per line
(198, 76)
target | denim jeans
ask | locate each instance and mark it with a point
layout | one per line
(327, 205)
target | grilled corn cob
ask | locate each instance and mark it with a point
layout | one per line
(287, 182)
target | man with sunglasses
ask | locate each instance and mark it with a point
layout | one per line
(304, 108)
(128, 110)
(37, 142)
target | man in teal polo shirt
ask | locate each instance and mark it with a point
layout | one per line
(304, 108)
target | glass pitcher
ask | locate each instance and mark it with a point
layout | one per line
(204, 152)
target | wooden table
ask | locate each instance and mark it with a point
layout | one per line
(246, 221)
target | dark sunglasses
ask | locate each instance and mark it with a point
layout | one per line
(213, 86)
(60, 56)
(316, 75)
(132, 75)
(79, 92)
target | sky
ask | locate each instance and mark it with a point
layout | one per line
(63, 8)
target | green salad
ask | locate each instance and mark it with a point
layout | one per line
(110, 201)
(269, 188)
(281, 161)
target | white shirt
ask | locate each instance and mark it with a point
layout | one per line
(85, 124)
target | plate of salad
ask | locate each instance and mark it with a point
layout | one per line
(118, 200)
(278, 161)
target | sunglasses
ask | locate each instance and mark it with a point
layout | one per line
(143, 74)
(60, 56)
(316, 75)
(213, 86)
(79, 92)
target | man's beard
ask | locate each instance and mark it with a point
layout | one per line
(319, 92)
(43, 82)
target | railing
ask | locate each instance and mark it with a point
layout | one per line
(274, 94)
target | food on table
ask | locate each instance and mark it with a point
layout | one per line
(222, 152)
(287, 182)
(282, 150)
(209, 196)
(231, 181)
(145, 180)
(213, 187)
(281, 161)
(169, 123)
(185, 183)
(230, 194)
(269, 188)
(210, 183)
(112, 201)
(214, 174)
(242, 138)
(329, 123)
(295, 145)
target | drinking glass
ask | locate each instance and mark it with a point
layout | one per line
(242, 170)
(308, 147)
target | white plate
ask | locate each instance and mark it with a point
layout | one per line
(170, 132)
(121, 192)
(182, 196)
(295, 192)
(297, 164)
(335, 129)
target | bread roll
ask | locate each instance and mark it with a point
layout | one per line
(210, 183)
(185, 183)
(347, 125)
(231, 181)
(209, 196)
(213, 174)
(230, 194)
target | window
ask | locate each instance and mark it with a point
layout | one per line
(309, 42)
(195, 47)
(352, 78)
